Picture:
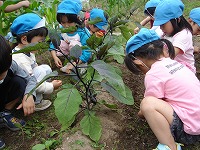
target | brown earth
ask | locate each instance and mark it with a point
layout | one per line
(122, 128)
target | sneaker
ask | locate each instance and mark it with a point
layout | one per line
(2, 144)
(11, 122)
(44, 104)
(82, 68)
(165, 147)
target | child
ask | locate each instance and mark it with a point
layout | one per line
(194, 20)
(16, 6)
(29, 29)
(15, 84)
(171, 103)
(169, 16)
(99, 28)
(67, 16)
(150, 7)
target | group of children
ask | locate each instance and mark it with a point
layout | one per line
(19, 73)
(164, 53)
(171, 103)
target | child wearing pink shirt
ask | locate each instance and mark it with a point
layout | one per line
(169, 16)
(171, 103)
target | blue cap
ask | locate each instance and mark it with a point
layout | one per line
(70, 7)
(195, 15)
(167, 10)
(143, 37)
(26, 22)
(98, 13)
(152, 3)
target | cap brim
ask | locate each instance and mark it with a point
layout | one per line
(160, 22)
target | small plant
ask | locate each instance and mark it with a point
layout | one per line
(48, 144)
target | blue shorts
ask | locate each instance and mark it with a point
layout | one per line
(179, 134)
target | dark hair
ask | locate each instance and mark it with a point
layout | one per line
(180, 25)
(105, 15)
(151, 51)
(5, 55)
(150, 11)
(31, 34)
(71, 18)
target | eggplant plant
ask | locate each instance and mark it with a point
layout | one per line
(80, 93)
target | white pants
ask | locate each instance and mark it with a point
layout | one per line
(46, 87)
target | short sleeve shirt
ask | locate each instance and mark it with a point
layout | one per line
(173, 82)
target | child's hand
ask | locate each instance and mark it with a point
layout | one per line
(58, 62)
(56, 84)
(25, 3)
(28, 105)
(136, 30)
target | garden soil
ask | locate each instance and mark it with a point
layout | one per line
(122, 129)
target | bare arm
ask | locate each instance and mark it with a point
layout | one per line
(177, 51)
(14, 7)
(56, 59)
(143, 23)
(1, 3)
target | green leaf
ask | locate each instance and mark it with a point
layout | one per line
(120, 22)
(33, 47)
(93, 42)
(76, 51)
(111, 106)
(119, 59)
(91, 126)
(126, 100)
(114, 19)
(97, 77)
(95, 20)
(49, 143)
(54, 132)
(125, 32)
(39, 147)
(117, 49)
(67, 106)
(54, 37)
(110, 75)
(104, 48)
(69, 29)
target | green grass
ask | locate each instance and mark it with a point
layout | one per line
(189, 5)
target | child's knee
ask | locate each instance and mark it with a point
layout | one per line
(147, 104)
